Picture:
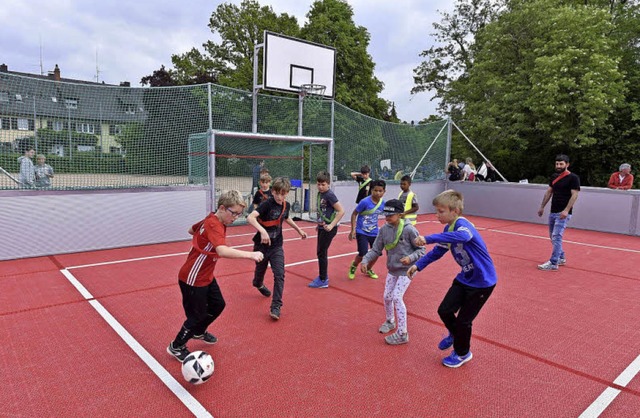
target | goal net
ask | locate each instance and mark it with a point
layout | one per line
(238, 159)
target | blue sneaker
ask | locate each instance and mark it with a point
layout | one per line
(454, 360)
(318, 283)
(446, 342)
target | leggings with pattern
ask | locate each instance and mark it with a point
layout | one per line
(394, 289)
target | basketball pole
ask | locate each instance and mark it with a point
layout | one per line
(256, 89)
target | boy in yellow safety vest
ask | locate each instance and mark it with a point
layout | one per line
(408, 199)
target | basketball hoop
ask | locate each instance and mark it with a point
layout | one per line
(313, 95)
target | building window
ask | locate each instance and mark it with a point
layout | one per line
(4, 96)
(23, 124)
(86, 128)
(130, 109)
(71, 103)
(86, 148)
(115, 129)
(19, 97)
(115, 150)
(57, 125)
(54, 99)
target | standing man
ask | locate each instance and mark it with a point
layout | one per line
(27, 174)
(621, 180)
(563, 192)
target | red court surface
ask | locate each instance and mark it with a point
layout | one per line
(547, 344)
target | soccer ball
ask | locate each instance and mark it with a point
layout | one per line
(197, 367)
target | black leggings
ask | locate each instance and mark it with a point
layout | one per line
(202, 305)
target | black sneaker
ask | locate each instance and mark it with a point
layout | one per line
(265, 291)
(207, 337)
(275, 313)
(180, 353)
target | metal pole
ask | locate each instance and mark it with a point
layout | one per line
(448, 153)
(331, 144)
(211, 204)
(35, 129)
(300, 104)
(69, 129)
(481, 154)
(256, 88)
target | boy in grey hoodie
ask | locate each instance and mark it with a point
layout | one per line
(397, 237)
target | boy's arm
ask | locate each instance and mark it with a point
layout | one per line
(228, 252)
(296, 227)
(339, 214)
(252, 219)
(434, 255)
(373, 254)
(462, 234)
(354, 218)
(355, 175)
(418, 250)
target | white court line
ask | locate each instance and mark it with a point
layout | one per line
(181, 393)
(602, 402)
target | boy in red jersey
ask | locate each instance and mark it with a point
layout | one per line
(201, 296)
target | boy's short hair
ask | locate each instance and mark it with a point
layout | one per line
(231, 198)
(451, 199)
(265, 177)
(281, 184)
(380, 183)
(406, 178)
(562, 157)
(323, 177)
(365, 169)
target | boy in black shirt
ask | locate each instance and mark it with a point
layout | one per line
(268, 219)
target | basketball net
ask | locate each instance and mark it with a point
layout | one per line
(312, 95)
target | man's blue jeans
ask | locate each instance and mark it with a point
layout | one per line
(556, 230)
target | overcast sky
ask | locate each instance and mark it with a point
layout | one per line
(131, 39)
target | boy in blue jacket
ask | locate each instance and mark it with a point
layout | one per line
(472, 286)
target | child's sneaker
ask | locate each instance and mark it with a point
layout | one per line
(548, 266)
(318, 283)
(264, 290)
(562, 261)
(396, 338)
(372, 274)
(352, 271)
(275, 313)
(454, 360)
(207, 337)
(446, 342)
(387, 326)
(180, 353)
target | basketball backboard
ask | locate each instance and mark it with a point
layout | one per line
(290, 62)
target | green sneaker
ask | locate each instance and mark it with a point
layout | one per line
(352, 271)
(372, 274)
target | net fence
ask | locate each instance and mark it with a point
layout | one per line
(96, 136)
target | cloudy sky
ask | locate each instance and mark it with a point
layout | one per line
(131, 39)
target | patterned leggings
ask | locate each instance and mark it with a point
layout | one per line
(394, 289)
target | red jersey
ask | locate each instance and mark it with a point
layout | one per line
(201, 261)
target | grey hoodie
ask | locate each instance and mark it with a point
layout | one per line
(405, 247)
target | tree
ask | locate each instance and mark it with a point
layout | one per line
(330, 22)
(160, 78)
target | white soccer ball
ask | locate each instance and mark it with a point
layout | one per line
(197, 367)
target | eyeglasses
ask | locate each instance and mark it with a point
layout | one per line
(234, 213)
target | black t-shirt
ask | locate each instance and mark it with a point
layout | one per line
(562, 191)
(261, 196)
(363, 191)
(269, 210)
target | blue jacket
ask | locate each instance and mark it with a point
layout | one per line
(469, 251)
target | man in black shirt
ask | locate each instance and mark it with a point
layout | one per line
(563, 192)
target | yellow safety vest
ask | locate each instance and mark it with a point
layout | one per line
(412, 217)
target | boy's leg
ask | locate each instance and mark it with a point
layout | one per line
(474, 301)
(370, 272)
(450, 304)
(215, 306)
(194, 302)
(322, 250)
(276, 257)
(261, 267)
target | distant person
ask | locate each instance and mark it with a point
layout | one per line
(201, 297)
(363, 177)
(330, 212)
(397, 237)
(398, 175)
(472, 286)
(453, 171)
(469, 171)
(43, 172)
(267, 219)
(486, 172)
(563, 190)
(408, 200)
(264, 191)
(255, 176)
(27, 174)
(621, 180)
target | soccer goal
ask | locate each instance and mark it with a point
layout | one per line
(225, 160)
